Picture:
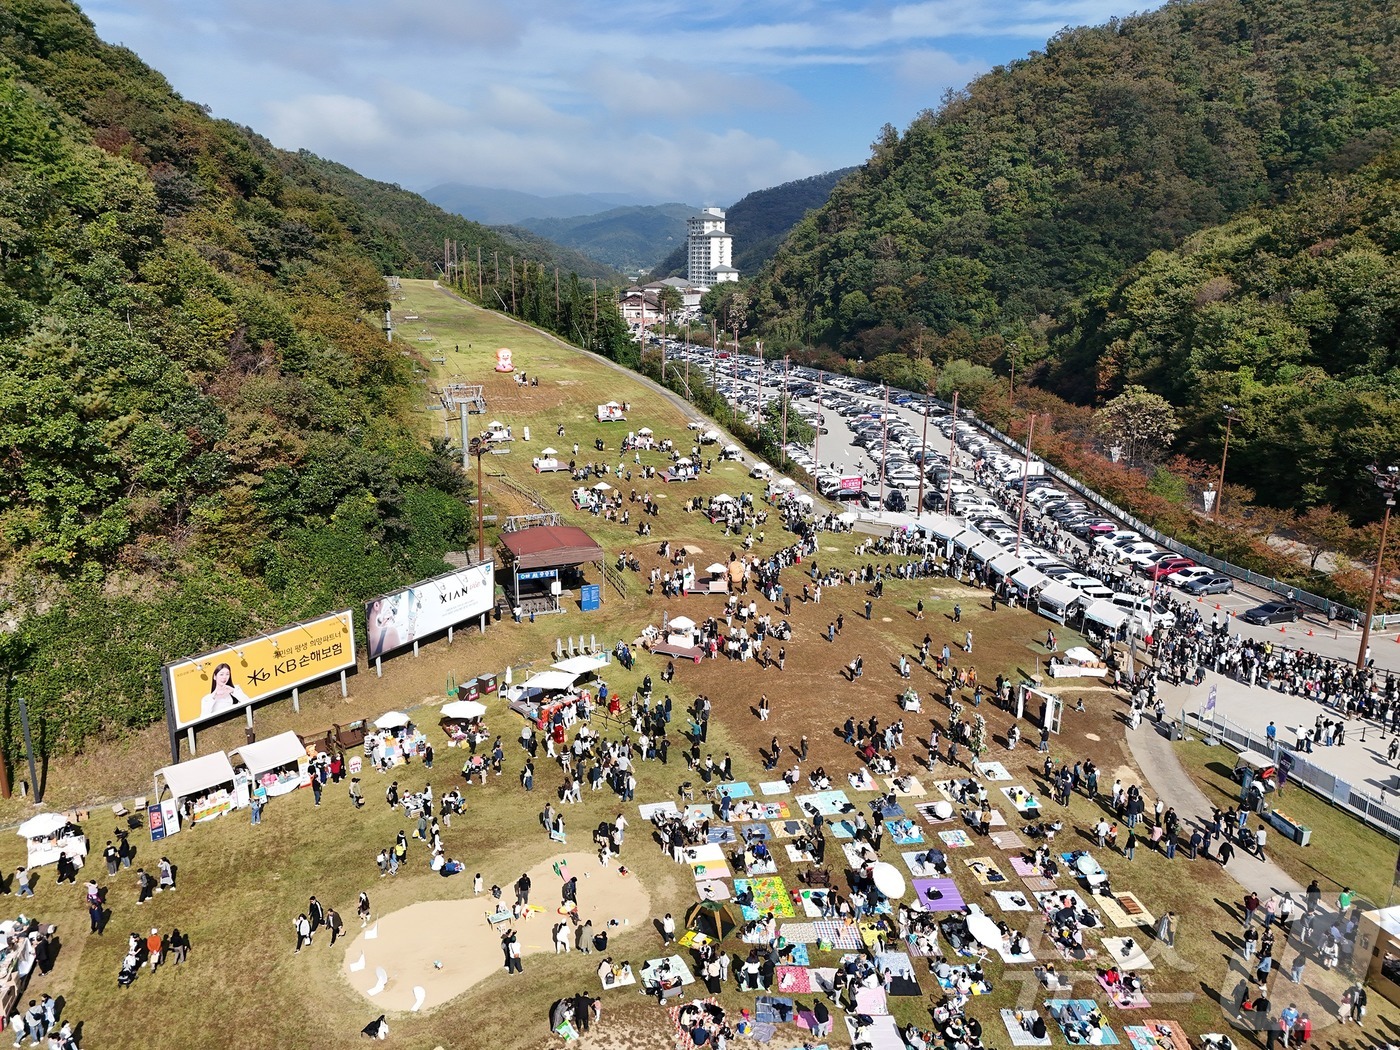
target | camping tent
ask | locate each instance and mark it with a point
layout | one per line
(275, 762)
(712, 918)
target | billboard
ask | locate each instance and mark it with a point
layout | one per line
(393, 621)
(214, 683)
(855, 484)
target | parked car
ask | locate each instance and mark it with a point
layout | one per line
(1271, 612)
(1166, 566)
(1185, 576)
(1211, 583)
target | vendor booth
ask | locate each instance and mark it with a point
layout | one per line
(548, 461)
(1027, 580)
(612, 412)
(1059, 601)
(204, 787)
(278, 763)
(545, 559)
(583, 666)
(1005, 565)
(1106, 618)
(732, 452)
(498, 431)
(1077, 662)
(50, 835)
(717, 581)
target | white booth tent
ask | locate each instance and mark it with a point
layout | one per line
(581, 665)
(1056, 601)
(48, 835)
(986, 551)
(1107, 616)
(1006, 564)
(967, 539)
(277, 762)
(1028, 579)
(208, 780)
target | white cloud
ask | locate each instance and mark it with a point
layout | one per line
(324, 122)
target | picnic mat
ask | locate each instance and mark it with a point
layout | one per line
(769, 895)
(1007, 957)
(1122, 998)
(1126, 954)
(1007, 840)
(712, 890)
(683, 1037)
(721, 833)
(984, 871)
(982, 987)
(737, 789)
(774, 787)
(694, 939)
(871, 1001)
(1086, 1006)
(811, 901)
(928, 816)
(1022, 799)
(621, 978)
(1124, 909)
(706, 870)
(923, 945)
(1157, 1035)
(916, 865)
(993, 771)
(928, 891)
(901, 968)
(747, 811)
(881, 1034)
(912, 788)
(904, 832)
(796, 955)
(842, 829)
(698, 811)
(995, 819)
(957, 839)
(650, 810)
(710, 851)
(1017, 1031)
(794, 980)
(834, 931)
(1010, 900)
(790, 829)
(774, 1009)
(757, 833)
(858, 854)
(797, 856)
(1051, 901)
(827, 803)
(861, 780)
(651, 970)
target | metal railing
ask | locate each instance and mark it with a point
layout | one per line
(1378, 810)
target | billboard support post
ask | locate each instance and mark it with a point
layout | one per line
(344, 686)
(189, 741)
(296, 700)
(449, 636)
(249, 712)
(415, 648)
(379, 667)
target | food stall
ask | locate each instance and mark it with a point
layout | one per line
(612, 412)
(1106, 618)
(48, 835)
(204, 786)
(732, 452)
(278, 763)
(680, 630)
(718, 583)
(584, 666)
(538, 698)
(547, 461)
(462, 722)
(16, 960)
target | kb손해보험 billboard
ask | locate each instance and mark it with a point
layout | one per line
(393, 621)
(212, 684)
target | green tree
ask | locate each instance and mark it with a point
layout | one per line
(1138, 423)
(970, 381)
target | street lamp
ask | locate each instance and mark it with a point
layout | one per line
(1230, 417)
(478, 449)
(1388, 481)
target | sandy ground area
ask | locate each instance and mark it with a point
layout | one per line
(457, 934)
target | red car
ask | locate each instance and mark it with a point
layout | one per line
(1167, 566)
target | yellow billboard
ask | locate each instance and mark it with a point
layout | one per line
(212, 684)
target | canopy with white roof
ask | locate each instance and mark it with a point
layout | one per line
(1107, 615)
(680, 623)
(717, 568)
(602, 486)
(1006, 564)
(551, 681)
(41, 833)
(464, 709)
(266, 761)
(645, 432)
(42, 825)
(1028, 579)
(204, 779)
(580, 665)
(549, 452)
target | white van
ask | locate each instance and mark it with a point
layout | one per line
(1142, 610)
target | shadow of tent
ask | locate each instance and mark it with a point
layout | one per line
(712, 918)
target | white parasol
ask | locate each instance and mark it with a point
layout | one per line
(718, 569)
(602, 486)
(42, 825)
(549, 452)
(681, 623)
(464, 709)
(888, 880)
(391, 720)
(645, 432)
(943, 809)
(508, 674)
(984, 931)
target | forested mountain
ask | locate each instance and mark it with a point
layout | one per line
(633, 238)
(201, 423)
(497, 207)
(760, 220)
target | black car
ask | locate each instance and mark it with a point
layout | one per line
(895, 501)
(1213, 584)
(1271, 612)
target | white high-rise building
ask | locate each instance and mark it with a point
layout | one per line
(710, 250)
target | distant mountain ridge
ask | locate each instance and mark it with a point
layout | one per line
(632, 239)
(761, 220)
(502, 207)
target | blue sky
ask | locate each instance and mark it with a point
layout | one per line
(699, 103)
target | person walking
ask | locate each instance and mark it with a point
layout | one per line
(1225, 852)
(302, 925)
(668, 929)
(1166, 929)
(153, 948)
(1131, 844)
(362, 908)
(334, 924)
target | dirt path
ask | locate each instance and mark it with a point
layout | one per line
(409, 943)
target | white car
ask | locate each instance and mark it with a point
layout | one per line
(1182, 576)
(1126, 551)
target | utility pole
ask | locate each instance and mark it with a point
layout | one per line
(923, 448)
(1025, 479)
(498, 269)
(884, 443)
(1388, 481)
(480, 291)
(1220, 489)
(817, 441)
(758, 383)
(512, 285)
(952, 455)
(782, 453)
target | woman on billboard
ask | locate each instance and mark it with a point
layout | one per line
(223, 695)
(384, 629)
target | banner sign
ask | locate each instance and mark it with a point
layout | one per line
(155, 820)
(852, 484)
(393, 621)
(214, 683)
(539, 574)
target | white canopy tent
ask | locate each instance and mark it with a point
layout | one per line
(986, 551)
(44, 836)
(1028, 579)
(265, 758)
(581, 665)
(1106, 615)
(203, 778)
(464, 709)
(645, 432)
(967, 539)
(551, 681)
(1056, 599)
(1006, 564)
(680, 623)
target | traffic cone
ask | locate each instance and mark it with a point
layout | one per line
(1310, 634)
(1280, 630)
(1217, 605)
(1199, 599)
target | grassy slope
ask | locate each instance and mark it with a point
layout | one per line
(240, 886)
